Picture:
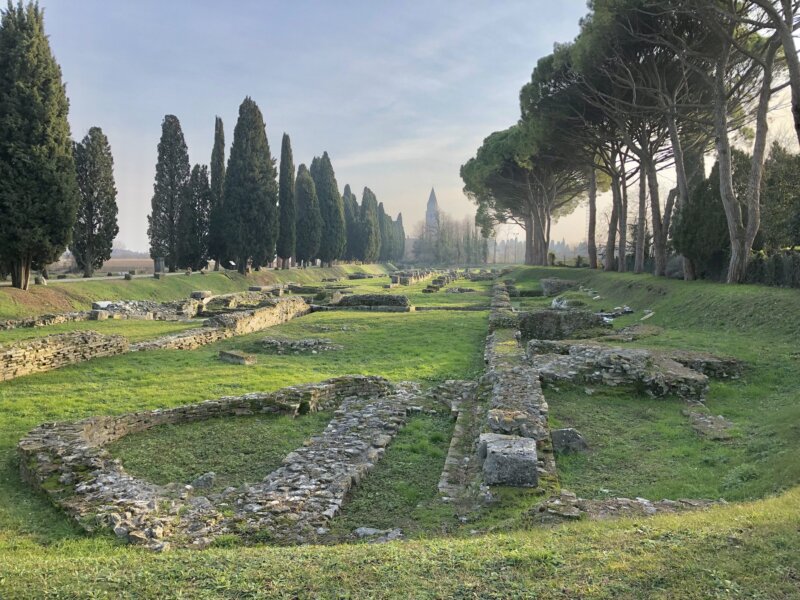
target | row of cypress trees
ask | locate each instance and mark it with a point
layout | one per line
(249, 213)
(54, 193)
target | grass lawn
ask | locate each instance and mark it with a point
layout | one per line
(134, 330)
(639, 447)
(402, 490)
(238, 450)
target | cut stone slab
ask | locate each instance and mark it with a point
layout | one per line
(201, 294)
(568, 440)
(508, 460)
(99, 315)
(237, 358)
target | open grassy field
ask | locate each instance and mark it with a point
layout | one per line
(639, 446)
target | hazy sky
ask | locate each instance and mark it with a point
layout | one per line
(400, 94)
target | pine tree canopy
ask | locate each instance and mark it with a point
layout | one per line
(172, 177)
(96, 223)
(38, 189)
(287, 237)
(309, 220)
(251, 192)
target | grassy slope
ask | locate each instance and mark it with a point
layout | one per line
(64, 297)
(646, 447)
(739, 550)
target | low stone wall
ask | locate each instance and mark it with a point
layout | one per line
(549, 324)
(516, 449)
(54, 351)
(502, 315)
(656, 372)
(554, 286)
(410, 277)
(44, 320)
(68, 462)
(228, 325)
(374, 300)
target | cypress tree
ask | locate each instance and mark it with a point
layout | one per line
(370, 227)
(172, 176)
(216, 228)
(400, 250)
(350, 203)
(251, 192)
(287, 238)
(309, 220)
(96, 224)
(193, 223)
(386, 242)
(38, 189)
(331, 208)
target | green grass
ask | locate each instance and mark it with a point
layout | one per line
(427, 347)
(64, 297)
(742, 549)
(238, 450)
(402, 489)
(134, 330)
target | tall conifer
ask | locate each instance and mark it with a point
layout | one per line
(370, 227)
(309, 221)
(351, 219)
(172, 176)
(331, 208)
(96, 224)
(287, 236)
(216, 227)
(193, 223)
(251, 192)
(38, 189)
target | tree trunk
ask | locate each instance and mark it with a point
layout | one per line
(611, 241)
(622, 224)
(638, 266)
(21, 272)
(659, 235)
(592, 242)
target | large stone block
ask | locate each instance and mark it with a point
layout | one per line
(508, 460)
(551, 324)
(201, 294)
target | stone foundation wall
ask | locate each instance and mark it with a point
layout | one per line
(68, 462)
(502, 315)
(374, 300)
(54, 351)
(228, 325)
(550, 324)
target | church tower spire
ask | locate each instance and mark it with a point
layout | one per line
(432, 213)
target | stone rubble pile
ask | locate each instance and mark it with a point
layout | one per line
(309, 345)
(567, 506)
(223, 326)
(554, 286)
(54, 351)
(69, 463)
(659, 373)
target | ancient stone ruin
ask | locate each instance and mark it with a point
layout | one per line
(303, 346)
(293, 503)
(54, 351)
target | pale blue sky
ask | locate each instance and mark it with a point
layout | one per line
(400, 94)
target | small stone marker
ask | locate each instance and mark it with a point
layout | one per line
(508, 460)
(236, 357)
(159, 275)
(568, 440)
(128, 277)
(99, 315)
